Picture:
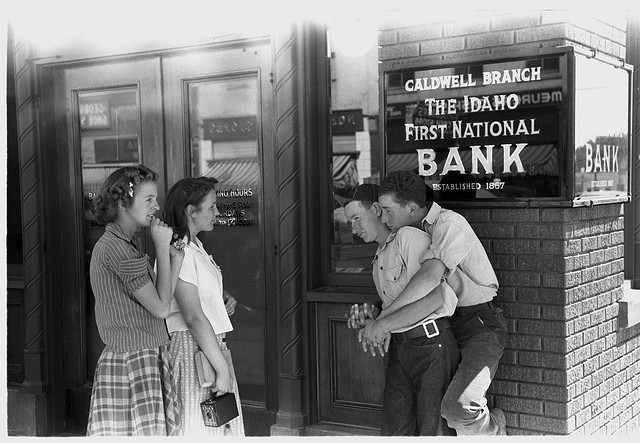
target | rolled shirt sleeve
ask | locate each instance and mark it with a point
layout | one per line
(134, 273)
(188, 271)
(450, 245)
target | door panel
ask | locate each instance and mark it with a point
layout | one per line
(350, 382)
(217, 104)
(107, 116)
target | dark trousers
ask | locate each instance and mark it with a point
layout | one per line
(481, 333)
(417, 376)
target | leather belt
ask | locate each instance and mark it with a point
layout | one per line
(429, 329)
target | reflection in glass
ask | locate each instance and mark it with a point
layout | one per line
(109, 139)
(601, 129)
(354, 124)
(223, 121)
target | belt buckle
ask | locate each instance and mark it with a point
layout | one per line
(435, 327)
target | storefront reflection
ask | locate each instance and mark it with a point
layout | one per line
(355, 137)
(223, 117)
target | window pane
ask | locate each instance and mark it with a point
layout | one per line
(601, 138)
(223, 120)
(109, 126)
(354, 126)
(109, 123)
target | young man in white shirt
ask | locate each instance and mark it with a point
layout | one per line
(422, 355)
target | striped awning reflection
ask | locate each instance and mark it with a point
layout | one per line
(235, 172)
(345, 172)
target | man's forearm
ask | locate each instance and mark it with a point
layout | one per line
(422, 283)
(412, 313)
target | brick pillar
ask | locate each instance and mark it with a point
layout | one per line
(568, 368)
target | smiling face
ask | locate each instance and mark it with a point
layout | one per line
(394, 215)
(144, 205)
(204, 217)
(365, 222)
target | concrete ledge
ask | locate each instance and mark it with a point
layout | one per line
(283, 431)
(328, 430)
(629, 309)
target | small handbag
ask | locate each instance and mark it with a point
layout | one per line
(204, 370)
(217, 411)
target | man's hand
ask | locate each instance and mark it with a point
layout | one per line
(358, 315)
(229, 303)
(373, 336)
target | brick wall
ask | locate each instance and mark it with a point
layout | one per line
(410, 39)
(568, 367)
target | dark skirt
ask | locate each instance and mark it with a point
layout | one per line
(134, 394)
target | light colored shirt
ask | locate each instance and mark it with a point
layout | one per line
(397, 260)
(116, 271)
(199, 269)
(454, 243)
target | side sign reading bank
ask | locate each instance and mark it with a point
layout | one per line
(481, 131)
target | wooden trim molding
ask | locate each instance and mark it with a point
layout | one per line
(288, 143)
(633, 57)
(32, 213)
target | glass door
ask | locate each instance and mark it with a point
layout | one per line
(224, 144)
(217, 104)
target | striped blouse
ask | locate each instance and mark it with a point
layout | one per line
(117, 270)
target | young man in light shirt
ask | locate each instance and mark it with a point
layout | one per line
(478, 325)
(422, 355)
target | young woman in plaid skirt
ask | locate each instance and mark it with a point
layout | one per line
(199, 317)
(133, 390)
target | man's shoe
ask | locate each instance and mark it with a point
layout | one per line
(500, 420)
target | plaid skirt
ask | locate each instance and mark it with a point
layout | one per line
(134, 395)
(182, 349)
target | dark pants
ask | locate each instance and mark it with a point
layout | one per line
(417, 375)
(481, 333)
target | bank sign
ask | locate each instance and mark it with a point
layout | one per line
(503, 130)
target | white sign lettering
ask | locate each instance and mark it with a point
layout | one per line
(604, 158)
(428, 166)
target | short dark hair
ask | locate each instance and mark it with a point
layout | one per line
(185, 192)
(366, 194)
(118, 187)
(406, 186)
